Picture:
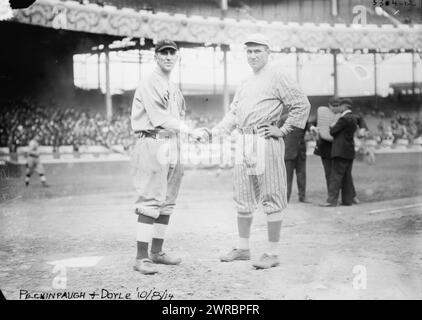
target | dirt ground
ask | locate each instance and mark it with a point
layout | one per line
(78, 236)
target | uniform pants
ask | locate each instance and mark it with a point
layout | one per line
(299, 165)
(341, 179)
(157, 177)
(259, 174)
(34, 164)
(326, 163)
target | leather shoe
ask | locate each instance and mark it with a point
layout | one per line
(327, 204)
(304, 200)
(266, 261)
(164, 258)
(236, 254)
(355, 200)
(145, 266)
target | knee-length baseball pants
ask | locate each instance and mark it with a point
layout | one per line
(156, 179)
(259, 174)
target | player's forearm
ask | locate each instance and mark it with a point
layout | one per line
(298, 115)
(176, 125)
(225, 126)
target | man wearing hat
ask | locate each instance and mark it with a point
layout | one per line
(259, 171)
(325, 117)
(158, 111)
(342, 155)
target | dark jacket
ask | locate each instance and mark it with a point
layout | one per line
(343, 145)
(295, 144)
(323, 148)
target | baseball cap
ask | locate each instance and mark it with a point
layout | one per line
(165, 44)
(346, 101)
(334, 101)
(258, 38)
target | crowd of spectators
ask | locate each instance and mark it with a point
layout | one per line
(392, 125)
(20, 120)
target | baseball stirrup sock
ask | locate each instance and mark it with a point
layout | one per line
(243, 243)
(274, 226)
(159, 232)
(272, 247)
(144, 232)
(244, 222)
(144, 229)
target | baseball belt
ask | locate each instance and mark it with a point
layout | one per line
(155, 134)
(253, 129)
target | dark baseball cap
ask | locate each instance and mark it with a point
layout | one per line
(165, 44)
(346, 101)
(334, 101)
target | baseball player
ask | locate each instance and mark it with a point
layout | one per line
(158, 111)
(33, 162)
(259, 170)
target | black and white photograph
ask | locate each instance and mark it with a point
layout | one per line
(212, 150)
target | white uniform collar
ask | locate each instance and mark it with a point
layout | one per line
(345, 112)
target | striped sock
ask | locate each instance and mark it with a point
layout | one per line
(143, 235)
(159, 232)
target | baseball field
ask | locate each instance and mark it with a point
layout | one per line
(77, 238)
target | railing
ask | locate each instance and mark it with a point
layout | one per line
(205, 155)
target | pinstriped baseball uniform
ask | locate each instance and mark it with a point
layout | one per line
(157, 103)
(259, 172)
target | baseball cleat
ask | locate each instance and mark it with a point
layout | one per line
(164, 258)
(328, 204)
(355, 200)
(145, 266)
(266, 261)
(236, 254)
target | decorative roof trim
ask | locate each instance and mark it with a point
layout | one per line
(127, 22)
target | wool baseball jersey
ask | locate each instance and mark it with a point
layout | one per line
(261, 98)
(33, 148)
(158, 103)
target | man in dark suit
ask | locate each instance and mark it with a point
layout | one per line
(342, 155)
(295, 159)
(324, 142)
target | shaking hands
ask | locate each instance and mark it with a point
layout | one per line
(201, 134)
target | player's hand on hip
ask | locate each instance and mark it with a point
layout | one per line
(268, 131)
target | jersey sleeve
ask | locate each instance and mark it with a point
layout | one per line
(296, 102)
(227, 124)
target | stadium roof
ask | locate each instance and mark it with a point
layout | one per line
(144, 24)
(317, 11)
